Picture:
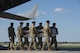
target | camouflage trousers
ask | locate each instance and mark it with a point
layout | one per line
(33, 42)
(11, 45)
(46, 42)
(20, 43)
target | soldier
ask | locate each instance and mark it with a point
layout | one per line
(26, 34)
(53, 36)
(20, 35)
(46, 31)
(12, 35)
(40, 33)
(33, 32)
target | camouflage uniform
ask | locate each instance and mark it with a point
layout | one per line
(20, 35)
(11, 37)
(53, 36)
(46, 31)
(26, 42)
(39, 28)
(32, 31)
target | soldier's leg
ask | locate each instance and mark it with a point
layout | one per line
(44, 44)
(34, 42)
(21, 43)
(13, 39)
(48, 43)
(11, 44)
(31, 43)
(18, 44)
(38, 42)
(27, 42)
(41, 42)
(52, 40)
(21, 46)
(13, 47)
(55, 42)
(24, 42)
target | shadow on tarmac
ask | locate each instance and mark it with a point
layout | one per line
(59, 49)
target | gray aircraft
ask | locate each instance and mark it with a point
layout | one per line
(8, 4)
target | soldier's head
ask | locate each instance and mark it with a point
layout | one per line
(54, 24)
(33, 23)
(27, 24)
(48, 22)
(21, 23)
(40, 24)
(11, 24)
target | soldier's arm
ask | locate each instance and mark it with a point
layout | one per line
(35, 29)
(49, 30)
(43, 29)
(14, 32)
(29, 29)
(21, 31)
(57, 30)
(8, 32)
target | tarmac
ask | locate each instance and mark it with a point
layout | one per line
(7, 51)
(63, 48)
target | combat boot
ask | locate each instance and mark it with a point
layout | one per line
(49, 49)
